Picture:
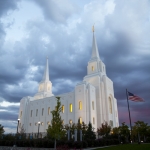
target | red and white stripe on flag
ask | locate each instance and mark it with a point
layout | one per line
(134, 98)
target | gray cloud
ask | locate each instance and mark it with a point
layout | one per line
(57, 11)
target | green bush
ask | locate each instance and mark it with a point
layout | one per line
(78, 144)
(85, 144)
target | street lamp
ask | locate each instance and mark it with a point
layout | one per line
(18, 125)
(38, 127)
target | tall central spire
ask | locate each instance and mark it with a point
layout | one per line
(95, 53)
(46, 72)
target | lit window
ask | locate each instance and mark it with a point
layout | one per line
(80, 120)
(63, 108)
(36, 112)
(49, 111)
(92, 68)
(31, 113)
(70, 107)
(70, 121)
(111, 123)
(42, 123)
(20, 114)
(48, 123)
(93, 105)
(42, 111)
(80, 105)
(93, 120)
(110, 106)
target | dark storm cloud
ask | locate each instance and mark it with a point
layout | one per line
(9, 115)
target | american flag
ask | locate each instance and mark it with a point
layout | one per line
(134, 98)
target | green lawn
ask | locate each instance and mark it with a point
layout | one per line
(128, 147)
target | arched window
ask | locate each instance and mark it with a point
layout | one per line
(80, 105)
(80, 120)
(70, 121)
(92, 68)
(70, 107)
(110, 106)
(49, 111)
(63, 108)
(93, 105)
(93, 120)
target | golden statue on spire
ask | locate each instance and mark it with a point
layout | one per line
(93, 28)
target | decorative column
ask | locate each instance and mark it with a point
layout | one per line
(75, 135)
(68, 134)
(80, 135)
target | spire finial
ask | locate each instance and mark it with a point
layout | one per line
(93, 28)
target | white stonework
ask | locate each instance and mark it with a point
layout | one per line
(92, 100)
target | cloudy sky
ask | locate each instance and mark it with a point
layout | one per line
(32, 30)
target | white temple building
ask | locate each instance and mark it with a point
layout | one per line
(92, 100)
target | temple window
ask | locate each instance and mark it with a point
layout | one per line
(93, 120)
(49, 111)
(80, 105)
(63, 108)
(92, 68)
(42, 111)
(70, 107)
(110, 106)
(93, 105)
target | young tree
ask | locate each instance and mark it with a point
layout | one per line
(124, 131)
(1, 129)
(104, 130)
(22, 132)
(89, 133)
(140, 129)
(55, 130)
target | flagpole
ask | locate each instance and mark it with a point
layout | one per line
(129, 110)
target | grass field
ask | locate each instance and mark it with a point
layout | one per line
(128, 147)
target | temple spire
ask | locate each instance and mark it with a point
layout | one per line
(95, 53)
(46, 72)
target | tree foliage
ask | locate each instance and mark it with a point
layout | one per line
(89, 133)
(124, 130)
(55, 130)
(104, 130)
(1, 129)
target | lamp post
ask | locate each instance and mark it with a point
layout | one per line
(18, 125)
(38, 128)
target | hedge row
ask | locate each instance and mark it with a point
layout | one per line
(45, 143)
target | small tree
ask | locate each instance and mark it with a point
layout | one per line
(89, 133)
(1, 130)
(104, 130)
(22, 132)
(55, 130)
(140, 129)
(124, 131)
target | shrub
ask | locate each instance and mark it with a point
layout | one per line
(85, 144)
(78, 145)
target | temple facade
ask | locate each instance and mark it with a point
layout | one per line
(92, 100)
